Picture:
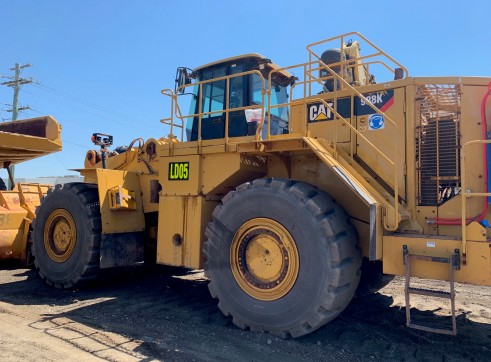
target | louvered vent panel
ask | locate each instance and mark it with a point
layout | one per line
(438, 142)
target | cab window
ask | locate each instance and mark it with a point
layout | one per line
(238, 87)
(279, 95)
(213, 93)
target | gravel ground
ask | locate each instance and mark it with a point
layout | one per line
(160, 313)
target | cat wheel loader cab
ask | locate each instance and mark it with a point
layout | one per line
(238, 85)
(279, 182)
(21, 141)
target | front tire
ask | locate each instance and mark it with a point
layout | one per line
(66, 235)
(281, 257)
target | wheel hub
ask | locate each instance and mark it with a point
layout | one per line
(60, 235)
(264, 259)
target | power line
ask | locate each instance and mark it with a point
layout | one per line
(83, 101)
(75, 144)
(118, 117)
(127, 123)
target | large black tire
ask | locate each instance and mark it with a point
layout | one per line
(325, 274)
(3, 187)
(66, 235)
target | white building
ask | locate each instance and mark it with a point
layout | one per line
(51, 180)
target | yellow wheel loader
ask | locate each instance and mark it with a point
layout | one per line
(280, 181)
(21, 141)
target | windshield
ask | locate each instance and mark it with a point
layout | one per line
(279, 95)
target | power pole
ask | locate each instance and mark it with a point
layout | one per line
(16, 84)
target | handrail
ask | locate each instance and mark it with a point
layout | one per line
(366, 64)
(377, 110)
(343, 36)
(350, 87)
(170, 121)
(310, 79)
(226, 110)
(465, 195)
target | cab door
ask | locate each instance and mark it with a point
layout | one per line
(213, 103)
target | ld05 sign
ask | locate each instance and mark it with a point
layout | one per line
(178, 171)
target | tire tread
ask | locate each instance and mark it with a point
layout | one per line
(345, 255)
(88, 195)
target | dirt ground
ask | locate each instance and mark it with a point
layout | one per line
(145, 314)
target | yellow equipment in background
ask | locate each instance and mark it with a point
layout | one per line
(22, 141)
(280, 185)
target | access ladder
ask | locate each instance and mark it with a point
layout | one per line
(454, 264)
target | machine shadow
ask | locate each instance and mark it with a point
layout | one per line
(161, 306)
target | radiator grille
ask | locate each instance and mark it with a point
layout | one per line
(438, 142)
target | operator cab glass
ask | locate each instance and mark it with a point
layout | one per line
(243, 90)
(279, 115)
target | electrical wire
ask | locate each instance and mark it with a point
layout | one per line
(38, 84)
(75, 144)
(131, 120)
(64, 140)
(60, 162)
(88, 112)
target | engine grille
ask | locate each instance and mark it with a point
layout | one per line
(438, 142)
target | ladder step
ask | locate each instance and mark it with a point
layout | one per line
(434, 328)
(435, 259)
(430, 293)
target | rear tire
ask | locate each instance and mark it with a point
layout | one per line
(281, 257)
(66, 235)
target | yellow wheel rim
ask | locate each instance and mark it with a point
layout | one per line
(264, 259)
(60, 235)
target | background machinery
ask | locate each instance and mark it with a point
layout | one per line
(280, 185)
(21, 141)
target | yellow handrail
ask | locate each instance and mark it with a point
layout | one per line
(466, 194)
(170, 121)
(308, 79)
(226, 110)
(341, 38)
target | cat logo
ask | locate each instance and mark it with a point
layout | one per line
(319, 112)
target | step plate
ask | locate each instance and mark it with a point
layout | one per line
(430, 293)
(432, 328)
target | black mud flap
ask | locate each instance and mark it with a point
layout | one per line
(121, 249)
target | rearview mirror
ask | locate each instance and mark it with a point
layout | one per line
(182, 79)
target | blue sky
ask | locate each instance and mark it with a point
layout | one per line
(100, 65)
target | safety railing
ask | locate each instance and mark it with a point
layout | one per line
(309, 68)
(354, 62)
(353, 92)
(465, 220)
(175, 109)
